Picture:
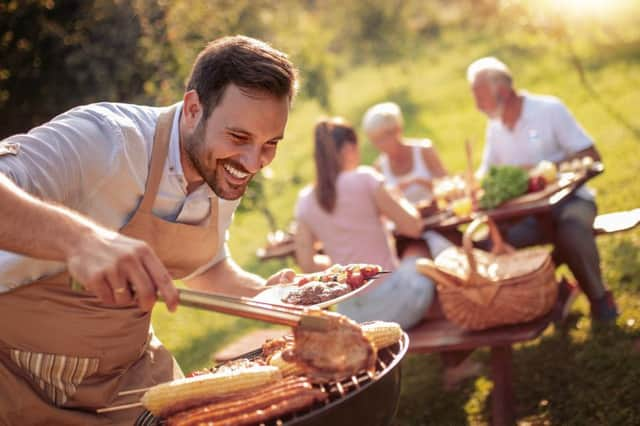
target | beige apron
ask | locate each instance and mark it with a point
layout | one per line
(63, 353)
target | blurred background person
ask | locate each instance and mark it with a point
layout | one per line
(524, 129)
(343, 210)
(409, 165)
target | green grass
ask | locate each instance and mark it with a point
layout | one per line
(576, 375)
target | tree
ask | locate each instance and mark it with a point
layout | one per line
(58, 54)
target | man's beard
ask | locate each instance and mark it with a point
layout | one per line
(194, 146)
(496, 113)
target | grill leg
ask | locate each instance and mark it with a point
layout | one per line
(502, 394)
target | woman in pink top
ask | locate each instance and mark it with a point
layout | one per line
(344, 210)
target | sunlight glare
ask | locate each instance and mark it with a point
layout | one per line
(587, 7)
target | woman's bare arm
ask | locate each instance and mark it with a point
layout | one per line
(433, 162)
(306, 255)
(399, 210)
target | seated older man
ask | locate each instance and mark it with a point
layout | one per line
(524, 129)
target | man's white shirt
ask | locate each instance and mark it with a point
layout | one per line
(546, 130)
(95, 159)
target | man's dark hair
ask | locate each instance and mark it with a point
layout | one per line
(246, 62)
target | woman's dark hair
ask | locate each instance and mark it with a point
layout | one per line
(330, 136)
(246, 62)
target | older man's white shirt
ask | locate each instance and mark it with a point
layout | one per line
(95, 159)
(546, 130)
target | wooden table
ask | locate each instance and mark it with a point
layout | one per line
(440, 335)
(511, 210)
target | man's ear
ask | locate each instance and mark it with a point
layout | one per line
(192, 110)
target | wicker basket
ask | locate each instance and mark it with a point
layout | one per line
(480, 290)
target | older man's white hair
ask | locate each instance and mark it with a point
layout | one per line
(491, 68)
(382, 116)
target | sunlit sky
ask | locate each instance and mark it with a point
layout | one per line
(589, 7)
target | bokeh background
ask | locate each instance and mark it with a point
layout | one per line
(55, 54)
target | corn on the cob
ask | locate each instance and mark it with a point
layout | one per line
(180, 394)
(286, 368)
(381, 333)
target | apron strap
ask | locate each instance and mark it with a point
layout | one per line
(158, 158)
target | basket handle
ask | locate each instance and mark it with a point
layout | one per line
(499, 246)
(427, 267)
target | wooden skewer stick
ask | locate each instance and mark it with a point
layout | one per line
(470, 175)
(119, 407)
(133, 391)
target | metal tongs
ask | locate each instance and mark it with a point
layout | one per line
(247, 308)
(253, 309)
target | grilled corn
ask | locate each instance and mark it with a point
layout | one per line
(381, 333)
(286, 368)
(181, 394)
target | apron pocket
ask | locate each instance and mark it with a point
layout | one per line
(56, 375)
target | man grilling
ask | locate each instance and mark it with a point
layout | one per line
(122, 199)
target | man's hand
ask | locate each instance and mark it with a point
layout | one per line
(120, 270)
(115, 268)
(283, 276)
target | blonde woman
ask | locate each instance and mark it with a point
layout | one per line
(409, 165)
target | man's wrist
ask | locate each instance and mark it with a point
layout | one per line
(80, 230)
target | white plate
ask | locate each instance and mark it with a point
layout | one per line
(274, 294)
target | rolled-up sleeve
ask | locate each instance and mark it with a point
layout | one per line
(570, 136)
(63, 159)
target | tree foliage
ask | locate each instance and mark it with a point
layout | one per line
(57, 54)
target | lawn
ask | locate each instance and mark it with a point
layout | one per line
(575, 375)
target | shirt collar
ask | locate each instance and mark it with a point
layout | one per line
(175, 166)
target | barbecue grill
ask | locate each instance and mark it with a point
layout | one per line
(367, 398)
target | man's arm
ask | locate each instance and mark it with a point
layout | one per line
(101, 259)
(573, 139)
(227, 277)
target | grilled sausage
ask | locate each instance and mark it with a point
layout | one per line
(248, 404)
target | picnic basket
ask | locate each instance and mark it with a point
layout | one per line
(480, 290)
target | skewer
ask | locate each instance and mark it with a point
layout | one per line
(119, 407)
(133, 391)
(470, 175)
(372, 277)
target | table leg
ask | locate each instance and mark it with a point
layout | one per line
(502, 404)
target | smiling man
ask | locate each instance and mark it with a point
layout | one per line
(122, 199)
